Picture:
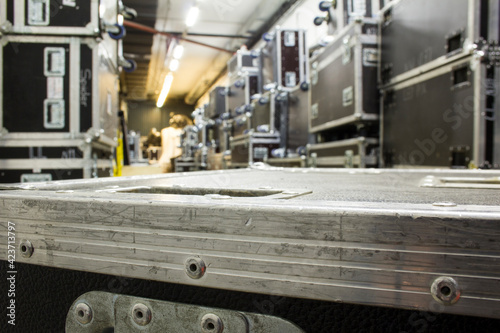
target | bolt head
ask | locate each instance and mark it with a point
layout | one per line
(26, 248)
(141, 314)
(195, 268)
(211, 323)
(445, 290)
(83, 313)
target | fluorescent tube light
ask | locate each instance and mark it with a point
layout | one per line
(178, 51)
(167, 84)
(192, 16)
(174, 65)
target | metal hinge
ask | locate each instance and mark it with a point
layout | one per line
(107, 312)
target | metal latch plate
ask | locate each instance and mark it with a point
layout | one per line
(103, 312)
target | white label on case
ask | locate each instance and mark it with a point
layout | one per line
(38, 12)
(55, 87)
(347, 96)
(315, 111)
(109, 104)
(358, 8)
(54, 114)
(290, 79)
(35, 177)
(289, 38)
(54, 61)
(69, 3)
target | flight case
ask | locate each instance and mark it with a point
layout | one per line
(217, 103)
(296, 120)
(444, 118)
(285, 59)
(344, 79)
(47, 157)
(417, 252)
(57, 85)
(56, 17)
(441, 31)
(252, 147)
(358, 152)
(90, 18)
(245, 80)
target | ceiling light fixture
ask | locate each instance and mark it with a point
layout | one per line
(167, 84)
(174, 65)
(192, 16)
(178, 51)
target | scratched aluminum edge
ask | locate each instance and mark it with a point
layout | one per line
(483, 224)
(260, 284)
(481, 307)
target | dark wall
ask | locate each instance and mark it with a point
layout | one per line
(144, 115)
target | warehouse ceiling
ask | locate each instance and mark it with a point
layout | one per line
(223, 24)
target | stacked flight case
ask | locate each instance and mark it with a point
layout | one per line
(206, 143)
(440, 87)
(222, 251)
(270, 128)
(344, 108)
(245, 82)
(352, 10)
(219, 132)
(339, 14)
(59, 89)
(189, 145)
(254, 133)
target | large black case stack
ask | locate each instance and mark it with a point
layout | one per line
(286, 76)
(344, 98)
(440, 87)
(59, 88)
(269, 121)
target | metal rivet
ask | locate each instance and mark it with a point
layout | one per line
(141, 314)
(444, 204)
(26, 248)
(211, 323)
(83, 313)
(445, 290)
(195, 268)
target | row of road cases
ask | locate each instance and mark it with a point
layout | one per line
(429, 100)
